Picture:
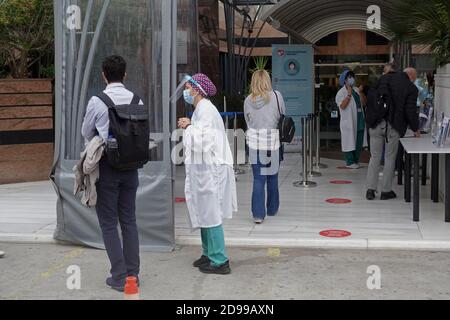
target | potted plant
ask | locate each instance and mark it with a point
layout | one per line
(425, 23)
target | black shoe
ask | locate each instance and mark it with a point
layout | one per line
(370, 195)
(222, 269)
(118, 285)
(388, 195)
(203, 260)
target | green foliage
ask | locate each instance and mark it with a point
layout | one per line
(260, 63)
(26, 34)
(425, 23)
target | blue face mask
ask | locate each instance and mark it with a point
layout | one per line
(351, 82)
(187, 96)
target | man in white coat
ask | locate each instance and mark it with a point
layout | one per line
(210, 181)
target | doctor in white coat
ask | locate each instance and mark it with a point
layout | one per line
(352, 120)
(210, 186)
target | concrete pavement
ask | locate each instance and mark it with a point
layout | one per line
(38, 271)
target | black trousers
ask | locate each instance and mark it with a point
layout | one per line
(116, 205)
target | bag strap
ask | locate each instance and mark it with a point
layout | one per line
(110, 104)
(278, 103)
(106, 100)
(136, 99)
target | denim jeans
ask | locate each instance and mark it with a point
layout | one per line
(265, 165)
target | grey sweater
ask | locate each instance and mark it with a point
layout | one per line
(262, 121)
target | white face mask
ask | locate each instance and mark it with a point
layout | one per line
(187, 96)
(351, 82)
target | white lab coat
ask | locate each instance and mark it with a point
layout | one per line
(210, 186)
(349, 122)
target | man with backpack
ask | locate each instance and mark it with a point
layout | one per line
(391, 109)
(119, 117)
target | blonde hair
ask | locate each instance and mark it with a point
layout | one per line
(261, 85)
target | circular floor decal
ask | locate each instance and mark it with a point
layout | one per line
(335, 233)
(180, 200)
(338, 201)
(340, 182)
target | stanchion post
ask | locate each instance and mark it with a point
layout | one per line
(237, 170)
(318, 165)
(304, 183)
(311, 171)
(225, 111)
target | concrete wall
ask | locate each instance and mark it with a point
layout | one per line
(442, 103)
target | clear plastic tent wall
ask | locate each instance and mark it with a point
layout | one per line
(142, 31)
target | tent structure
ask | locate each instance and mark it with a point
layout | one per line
(144, 33)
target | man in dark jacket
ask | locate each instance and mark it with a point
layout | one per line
(402, 113)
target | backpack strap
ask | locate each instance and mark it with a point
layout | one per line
(278, 103)
(106, 100)
(136, 99)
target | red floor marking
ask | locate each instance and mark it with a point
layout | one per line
(335, 233)
(338, 201)
(180, 200)
(340, 182)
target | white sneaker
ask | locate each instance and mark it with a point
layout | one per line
(353, 166)
(258, 221)
(2, 254)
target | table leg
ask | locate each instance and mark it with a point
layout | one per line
(424, 169)
(416, 184)
(435, 177)
(447, 188)
(400, 164)
(407, 177)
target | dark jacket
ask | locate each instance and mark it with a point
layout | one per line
(404, 99)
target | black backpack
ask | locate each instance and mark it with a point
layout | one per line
(286, 125)
(379, 104)
(129, 126)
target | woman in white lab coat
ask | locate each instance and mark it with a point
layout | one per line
(352, 120)
(210, 181)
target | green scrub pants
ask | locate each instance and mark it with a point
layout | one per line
(352, 157)
(213, 244)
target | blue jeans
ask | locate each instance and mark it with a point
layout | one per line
(265, 165)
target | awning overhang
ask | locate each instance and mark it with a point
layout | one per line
(314, 20)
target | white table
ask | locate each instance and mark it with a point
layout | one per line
(424, 145)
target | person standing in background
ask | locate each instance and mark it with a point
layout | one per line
(352, 123)
(388, 130)
(262, 111)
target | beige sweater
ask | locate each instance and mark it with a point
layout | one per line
(87, 172)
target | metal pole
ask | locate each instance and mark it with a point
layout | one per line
(447, 188)
(237, 171)
(311, 171)
(225, 110)
(318, 165)
(416, 187)
(435, 177)
(305, 183)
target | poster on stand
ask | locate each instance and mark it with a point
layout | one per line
(293, 76)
